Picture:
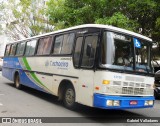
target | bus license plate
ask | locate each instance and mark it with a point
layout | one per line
(133, 103)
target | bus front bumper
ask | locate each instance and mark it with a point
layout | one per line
(122, 102)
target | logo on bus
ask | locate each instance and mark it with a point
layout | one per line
(60, 64)
(137, 43)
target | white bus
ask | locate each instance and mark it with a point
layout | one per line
(95, 65)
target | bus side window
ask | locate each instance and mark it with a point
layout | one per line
(58, 44)
(7, 50)
(47, 45)
(89, 51)
(30, 48)
(67, 43)
(64, 44)
(77, 51)
(20, 48)
(13, 50)
(27, 48)
(44, 46)
(40, 47)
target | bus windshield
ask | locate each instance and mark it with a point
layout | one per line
(123, 52)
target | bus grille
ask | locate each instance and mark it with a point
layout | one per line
(129, 88)
(128, 91)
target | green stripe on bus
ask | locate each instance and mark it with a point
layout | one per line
(31, 73)
(26, 63)
(36, 79)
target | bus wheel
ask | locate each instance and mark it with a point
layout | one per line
(17, 82)
(69, 97)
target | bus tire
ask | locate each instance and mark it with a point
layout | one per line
(69, 97)
(17, 82)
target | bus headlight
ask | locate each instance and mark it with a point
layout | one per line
(146, 103)
(113, 103)
(109, 102)
(116, 103)
(150, 102)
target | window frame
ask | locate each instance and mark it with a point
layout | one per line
(99, 66)
(78, 66)
(23, 50)
(82, 50)
(67, 41)
(15, 49)
(38, 41)
(9, 50)
(73, 44)
(82, 53)
(55, 42)
(35, 47)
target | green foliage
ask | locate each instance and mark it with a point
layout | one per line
(127, 14)
(72, 12)
(119, 20)
(158, 23)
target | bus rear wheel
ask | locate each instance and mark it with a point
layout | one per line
(17, 82)
(69, 97)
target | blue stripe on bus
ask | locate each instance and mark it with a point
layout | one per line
(14, 65)
(9, 67)
(100, 101)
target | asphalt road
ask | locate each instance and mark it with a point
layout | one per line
(31, 103)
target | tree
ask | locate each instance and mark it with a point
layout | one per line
(70, 12)
(119, 20)
(132, 14)
(24, 18)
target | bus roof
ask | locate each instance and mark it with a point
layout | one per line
(107, 27)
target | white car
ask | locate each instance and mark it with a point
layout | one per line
(1, 63)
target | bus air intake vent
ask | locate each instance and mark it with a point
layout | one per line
(117, 83)
(135, 79)
(132, 91)
(125, 84)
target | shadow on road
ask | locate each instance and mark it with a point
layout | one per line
(94, 114)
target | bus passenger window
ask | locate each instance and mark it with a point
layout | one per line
(13, 50)
(67, 43)
(20, 48)
(27, 48)
(44, 46)
(58, 44)
(30, 48)
(47, 45)
(40, 47)
(77, 51)
(7, 50)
